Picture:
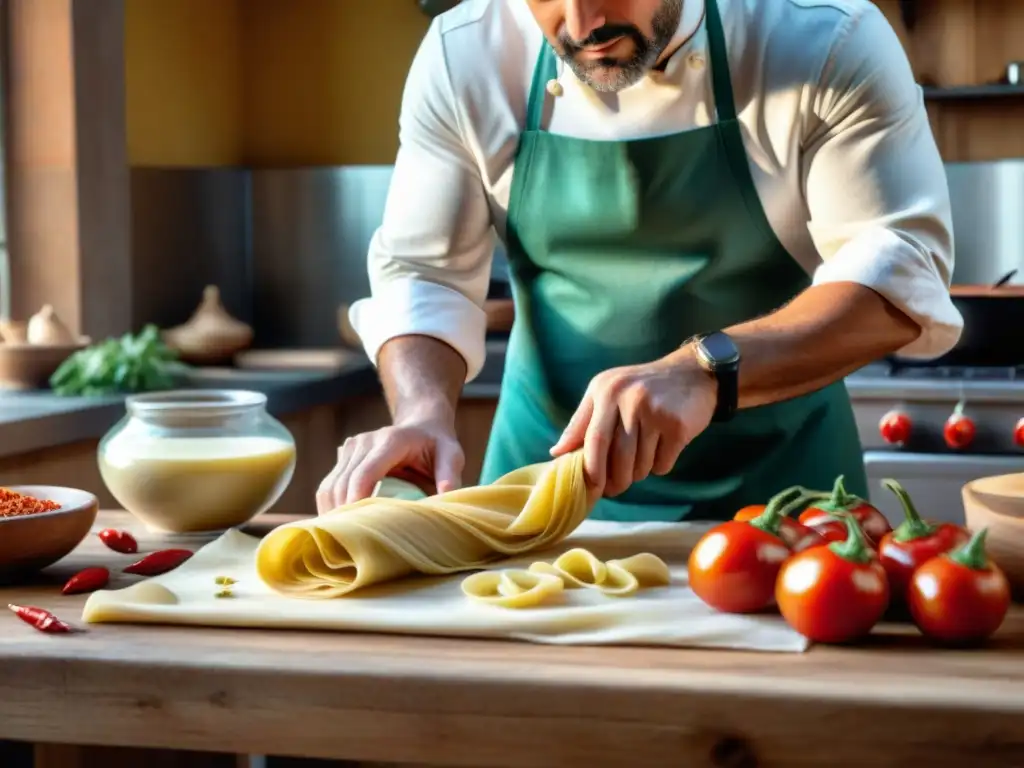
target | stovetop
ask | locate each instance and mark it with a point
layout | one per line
(965, 373)
(935, 383)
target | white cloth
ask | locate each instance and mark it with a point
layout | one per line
(669, 616)
(835, 128)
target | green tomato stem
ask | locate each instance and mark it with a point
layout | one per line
(972, 554)
(855, 548)
(912, 527)
(841, 499)
(778, 507)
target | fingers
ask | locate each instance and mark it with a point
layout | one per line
(363, 461)
(573, 435)
(331, 493)
(646, 452)
(622, 459)
(597, 441)
(449, 461)
(670, 445)
(364, 473)
(425, 454)
(325, 494)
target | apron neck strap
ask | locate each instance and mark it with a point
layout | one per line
(546, 69)
(721, 82)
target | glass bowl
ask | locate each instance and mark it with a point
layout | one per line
(197, 461)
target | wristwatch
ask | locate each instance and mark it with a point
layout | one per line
(718, 354)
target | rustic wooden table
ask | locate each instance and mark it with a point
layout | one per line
(407, 700)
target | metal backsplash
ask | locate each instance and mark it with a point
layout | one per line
(310, 233)
(190, 228)
(988, 220)
(288, 246)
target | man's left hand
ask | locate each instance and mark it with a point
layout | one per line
(636, 420)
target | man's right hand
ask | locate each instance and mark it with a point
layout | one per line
(430, 449)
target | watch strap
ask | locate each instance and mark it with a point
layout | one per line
(725, 371)
(728, 393)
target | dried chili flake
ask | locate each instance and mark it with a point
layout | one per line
(13, 504)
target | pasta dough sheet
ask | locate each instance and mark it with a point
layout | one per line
(419, 605)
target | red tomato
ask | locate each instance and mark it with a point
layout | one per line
(750, 511)
(835, 593)
(822, 516)
(895, 428)
(734, 565)
(960, 597)
(914, 543)
(959, 431)
(797, 536)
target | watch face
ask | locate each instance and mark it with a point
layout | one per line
(720, 349)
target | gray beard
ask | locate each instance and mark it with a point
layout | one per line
(645, 56)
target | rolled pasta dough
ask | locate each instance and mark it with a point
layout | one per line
(381, 539)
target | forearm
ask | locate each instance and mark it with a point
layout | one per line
(825, 333)
(422, 378)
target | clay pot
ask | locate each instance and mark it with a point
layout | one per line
(46, 328)
(211, 336)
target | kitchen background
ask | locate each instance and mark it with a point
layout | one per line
(259, 137)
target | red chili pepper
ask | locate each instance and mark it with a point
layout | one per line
(826, 516)
(835, 593)
(733, 566)
(156, 563)
(41, 619)
(960, 597)
(914, 542)
(88, 580)
(119, 541)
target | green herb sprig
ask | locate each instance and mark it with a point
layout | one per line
(132, 363)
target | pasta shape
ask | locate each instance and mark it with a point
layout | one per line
(512, 587)
(575, 569)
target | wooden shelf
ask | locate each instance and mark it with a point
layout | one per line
(973, 92)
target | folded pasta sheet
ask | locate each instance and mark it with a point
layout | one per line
(381, 539)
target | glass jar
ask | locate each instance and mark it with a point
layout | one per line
(197, 461)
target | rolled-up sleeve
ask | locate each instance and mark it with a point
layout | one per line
(430, 260)
(875, 184)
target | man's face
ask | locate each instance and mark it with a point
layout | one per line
(608, 44)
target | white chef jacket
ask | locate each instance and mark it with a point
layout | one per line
(834, 125)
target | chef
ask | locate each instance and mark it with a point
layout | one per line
(713, 211)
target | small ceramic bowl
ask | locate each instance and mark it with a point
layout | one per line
(31, 542)
(30, 366)
(997, 503)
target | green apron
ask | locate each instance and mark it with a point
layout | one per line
(621, 250)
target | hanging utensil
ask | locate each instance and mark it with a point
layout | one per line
(1005, 278)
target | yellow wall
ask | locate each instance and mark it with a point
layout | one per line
(324, 78)
(183, 82)
(267, 82)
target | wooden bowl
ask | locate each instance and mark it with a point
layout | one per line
(31, 542)
(997, 503)
(30, 366)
